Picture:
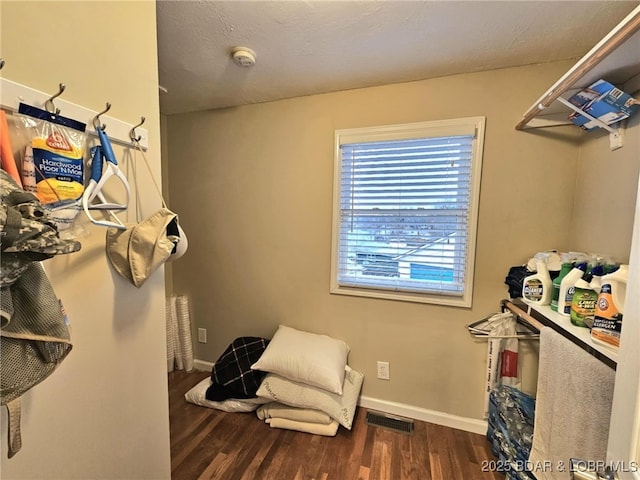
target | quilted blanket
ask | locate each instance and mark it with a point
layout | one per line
(231, 375)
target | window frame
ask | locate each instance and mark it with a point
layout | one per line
(408, 131)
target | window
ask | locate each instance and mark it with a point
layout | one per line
(405, 210)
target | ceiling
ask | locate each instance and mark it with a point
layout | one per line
(319, 46)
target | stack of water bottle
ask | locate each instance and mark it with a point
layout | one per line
(510, 431)
(590, 289)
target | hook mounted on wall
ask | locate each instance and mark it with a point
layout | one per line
(49, 105)
(132, 132)
(96, 119)
(1, 63)
(12, 94)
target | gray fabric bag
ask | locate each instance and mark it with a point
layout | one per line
(33, 329)
(33, 343)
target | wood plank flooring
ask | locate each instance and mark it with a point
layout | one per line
(211, 444)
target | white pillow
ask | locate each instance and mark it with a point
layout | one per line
(304, 357)
(341, 408)
(197, 396)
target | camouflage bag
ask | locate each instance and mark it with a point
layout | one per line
(34, 331)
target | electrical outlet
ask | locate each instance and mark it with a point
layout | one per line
(202, 335)
(383, 370)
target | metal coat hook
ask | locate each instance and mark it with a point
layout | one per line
(96, 119)
(1, 63)
(132, 132)
(49, 106)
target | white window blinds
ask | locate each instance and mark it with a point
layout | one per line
(405, 210)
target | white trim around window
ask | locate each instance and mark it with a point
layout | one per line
(405, 211)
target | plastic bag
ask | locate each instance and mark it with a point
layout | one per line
(502, 355)
(510, 431)
(53, 162)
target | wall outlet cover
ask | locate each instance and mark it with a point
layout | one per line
(202, 335)
(383, 370)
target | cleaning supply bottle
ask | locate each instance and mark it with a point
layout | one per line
(583, 303)
(610, 266)
(565, 295)
(565, 268)
(607, 322)
(596, 282)
(537, 288)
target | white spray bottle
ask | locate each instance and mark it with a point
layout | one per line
(537, 289)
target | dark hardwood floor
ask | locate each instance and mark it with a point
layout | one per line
(211, 444)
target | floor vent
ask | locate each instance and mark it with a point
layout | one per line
(392, 422)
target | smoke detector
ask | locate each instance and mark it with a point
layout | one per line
(243, 56)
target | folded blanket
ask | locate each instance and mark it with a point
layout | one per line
(329, 430)
(231, 374)
(278, 410)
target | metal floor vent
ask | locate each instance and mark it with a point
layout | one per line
(392, 422)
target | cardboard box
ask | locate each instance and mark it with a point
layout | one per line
(604, 102)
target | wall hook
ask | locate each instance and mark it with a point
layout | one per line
(132, 132)
(49, 106)
(1, 63)
(96, 119)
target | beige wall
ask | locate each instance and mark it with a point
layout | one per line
(253, 188)
(606, 185)
(103, 413)
(607, 195)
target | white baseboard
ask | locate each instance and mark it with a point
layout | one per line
(432, 416)
(202, 365)
(417, 413)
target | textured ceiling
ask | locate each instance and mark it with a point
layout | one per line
(309, 47)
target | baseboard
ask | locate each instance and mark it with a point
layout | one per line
(432, 416)
(202, 365)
